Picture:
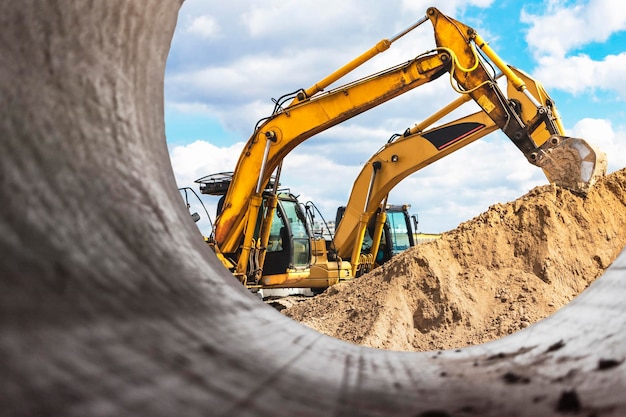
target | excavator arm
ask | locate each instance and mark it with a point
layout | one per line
(301, 119)
(534, 127)
(393, 163)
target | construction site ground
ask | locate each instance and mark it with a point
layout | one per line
(493, 275)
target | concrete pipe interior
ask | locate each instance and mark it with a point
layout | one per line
(112, 306)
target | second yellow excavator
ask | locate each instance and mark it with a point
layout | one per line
(262, 235)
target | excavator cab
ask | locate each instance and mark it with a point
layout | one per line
(289, 244)
(398, 233)
(282, 221)
(396, 237)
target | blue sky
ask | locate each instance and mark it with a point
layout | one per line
(228, 60)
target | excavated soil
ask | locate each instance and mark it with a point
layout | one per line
(491, 276)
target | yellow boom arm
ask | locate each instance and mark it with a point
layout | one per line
(293, 124)
(393, 163)
(534, 127)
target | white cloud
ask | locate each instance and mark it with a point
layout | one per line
(191, 108)
(565, 27)
(252, 75)
(205, 26)
(555, 37)
(580, 73)
(279, 47)
(197, 160)
(600, 133)
(316, 178)
(201, 158)
(448, 7)
(313, 16)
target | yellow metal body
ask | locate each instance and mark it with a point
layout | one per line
(473, 78)
(381, 218)
(425, 237)
(355, 255)
(571, 163)
(322, 273)
(413, 153)
(270, 208)
(249, 240)
(303, 119)
(381, 46)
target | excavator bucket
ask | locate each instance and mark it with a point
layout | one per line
(571, 163)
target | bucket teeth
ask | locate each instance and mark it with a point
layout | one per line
(571, 163)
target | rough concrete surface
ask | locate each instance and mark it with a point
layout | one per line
(112, 305)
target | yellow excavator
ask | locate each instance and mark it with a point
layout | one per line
(380, 238)
(262, 235)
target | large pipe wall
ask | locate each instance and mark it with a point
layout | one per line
(112, 305)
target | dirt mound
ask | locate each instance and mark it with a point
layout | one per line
(491, 276)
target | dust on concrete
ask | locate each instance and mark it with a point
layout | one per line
(491, 276)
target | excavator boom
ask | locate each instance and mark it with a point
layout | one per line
(300, 120)
(393, 163)
(572, 163)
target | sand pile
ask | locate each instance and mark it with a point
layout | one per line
(493, 275)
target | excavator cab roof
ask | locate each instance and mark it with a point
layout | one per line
(217, 184)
